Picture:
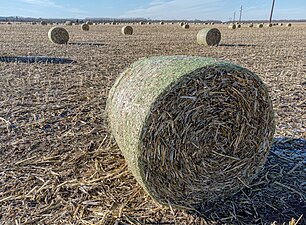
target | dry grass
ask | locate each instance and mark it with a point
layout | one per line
(59, 164)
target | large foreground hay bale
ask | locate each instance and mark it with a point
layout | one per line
(209, 36)
(127, 30)
(192, 129)
(58, 35)
(85, 26)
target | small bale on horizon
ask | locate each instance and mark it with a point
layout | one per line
(127, 30)
(58, 35)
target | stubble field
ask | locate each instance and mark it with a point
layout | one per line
(59, 163)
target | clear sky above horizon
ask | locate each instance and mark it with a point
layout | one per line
(154, 9)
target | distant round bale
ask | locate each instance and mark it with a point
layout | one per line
(161, 23)
(238, 25)
(127, 30)
(212, 23)
(68, 23)
(191, 129)
(232, 26)
(251, 25)
(280, 24)
(85, 27)
(209, 36)
(288, 24)
(43, 23)
(89, 22)
(181, 24)
(260, 25)
(269, 25)
(58, 35)
(186, 26)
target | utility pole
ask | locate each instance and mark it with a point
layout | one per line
(234, 17)
(271, 11)
(240, 14)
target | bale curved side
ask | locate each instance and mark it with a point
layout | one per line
(58, 35)
(192, 129)
(209, 36)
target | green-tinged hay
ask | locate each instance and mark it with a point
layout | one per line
(260, 25)
(209, 36)
(288, 24)
(192, 129)
(85, 26)
(127, 30)
(58, 35)
(232, 26)
(186, 26)
(251, 25)
(44, 23)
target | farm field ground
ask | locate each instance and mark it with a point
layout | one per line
(59, 163)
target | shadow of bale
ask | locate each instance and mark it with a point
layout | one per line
(277, 194)
(35, 59)
(238, 45)
(87, 43)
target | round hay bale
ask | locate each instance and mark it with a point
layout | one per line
(161, 23)
(251, 25)
(44, 23)
(260, 25)
(181, 24)
(89, 22)
(269, 25)
(232, 26)
(209, 36)
(85, 26)
(212, 23)
(192, 129)
(58, 35)
(127, 30)
(280, 24)
(288, 25)
(238, 25)
(68, 23)
(186, 26)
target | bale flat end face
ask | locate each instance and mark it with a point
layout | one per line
(209, 37)
(58, 35)
(127, 30)
(192, 131)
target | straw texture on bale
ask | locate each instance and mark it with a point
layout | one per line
(186, 26)
(85, 26)
(192, 129)
(127, 30)
(58, 35)
(209, 36)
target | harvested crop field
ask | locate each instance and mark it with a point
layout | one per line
(59, 163)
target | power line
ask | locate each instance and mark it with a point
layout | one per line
(272, 11)
(240, 14)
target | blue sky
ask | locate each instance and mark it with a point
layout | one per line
(154, 9)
